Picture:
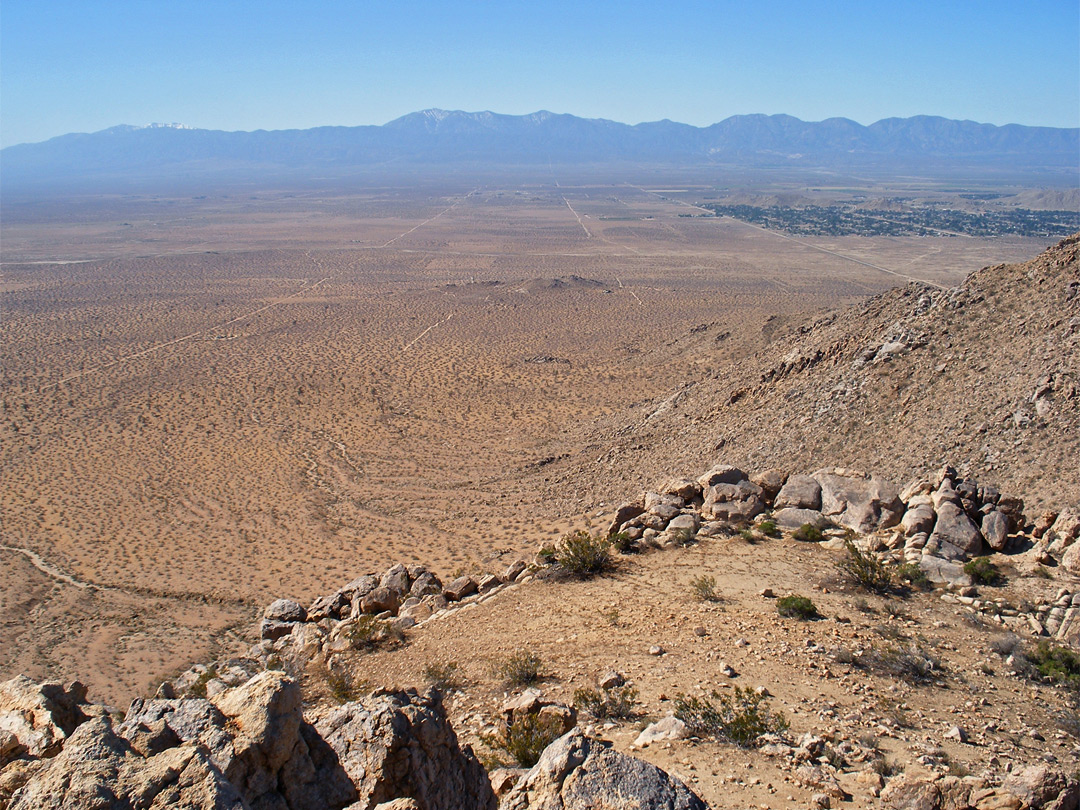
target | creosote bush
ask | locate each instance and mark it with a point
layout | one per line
(808, 533)
(704, 588)
(581, 554)
(911, 662)
(616, 702)
(739, 717)
(983, 571)
(1059, 664)
(520, 669)
(797, 607)
(368, 632)
(526, 737)
(865, 569)
(768, 528)
(913, 576)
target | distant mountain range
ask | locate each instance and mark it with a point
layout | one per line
(442, 137)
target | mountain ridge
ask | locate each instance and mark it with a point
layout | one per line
(437, 136)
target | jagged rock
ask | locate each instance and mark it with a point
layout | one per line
(800, 492)
(504, 779)
(100, 769)
(611, 680)
(724, 474)
(488, 582)
(858, 501)
(41, 716)
(417, 613)
(667, 728)
(792, 518)
(460, 588)
(396, 804)
(688, 522)
(257, 738)
(531, 702)
(771, 482)
(995, 530)
(400, 745)
(579, 773)
(955, 536)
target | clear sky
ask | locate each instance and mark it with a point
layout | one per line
(84, 65)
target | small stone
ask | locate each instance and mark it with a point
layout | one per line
(956, 733)
(656, 649)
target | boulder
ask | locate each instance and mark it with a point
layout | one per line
(515, 570)
(667, 728)
(397, 745)
(735, 503)
(1070, 560)
(380, 599)
(792, 518)
(396, 580)
(800, 492)
(860, 502)
(41, 716)
(681, 487)
(688, 522)
(995, 530)
(334, 606)
(1038, 785)
(918, 519)
(943, 572)
(771, 482)
(911, 792)
(724, 474)
(628, 511)
(279, 618)
(578, 773)
(460, 588)
(1064, 531)
(424, 584)
(955, 536)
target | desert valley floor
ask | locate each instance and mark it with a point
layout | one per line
(212, 401)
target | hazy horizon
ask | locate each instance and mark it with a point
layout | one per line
(241, 67)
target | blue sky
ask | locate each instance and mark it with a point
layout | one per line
(87, 65)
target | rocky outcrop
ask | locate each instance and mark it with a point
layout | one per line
(400, 745)
(250, 748)
(857, 500)
(580, 773)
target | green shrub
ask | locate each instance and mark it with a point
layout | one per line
(983, 571)
(520, 669)
(443, 676)
(768, 528)
(913, 576)
(912, 663)
(797, 607)
(864, 569)
(618, 702)
(623, 544)
(368, 632)
(581, 554)
(1059, 664)
(526, 737)
(740, 717)
(749, 535)
(808, 533)
(704, 588)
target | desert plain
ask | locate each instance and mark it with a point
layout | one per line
(212, 399)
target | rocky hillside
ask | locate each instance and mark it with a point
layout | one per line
(985, 376)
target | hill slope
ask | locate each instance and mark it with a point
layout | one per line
(985, 376)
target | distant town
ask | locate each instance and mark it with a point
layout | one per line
(846, 220)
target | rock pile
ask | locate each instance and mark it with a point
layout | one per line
(247, 747)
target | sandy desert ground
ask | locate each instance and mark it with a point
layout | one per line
(210, 403)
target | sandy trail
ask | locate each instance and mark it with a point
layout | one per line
(49, 569)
